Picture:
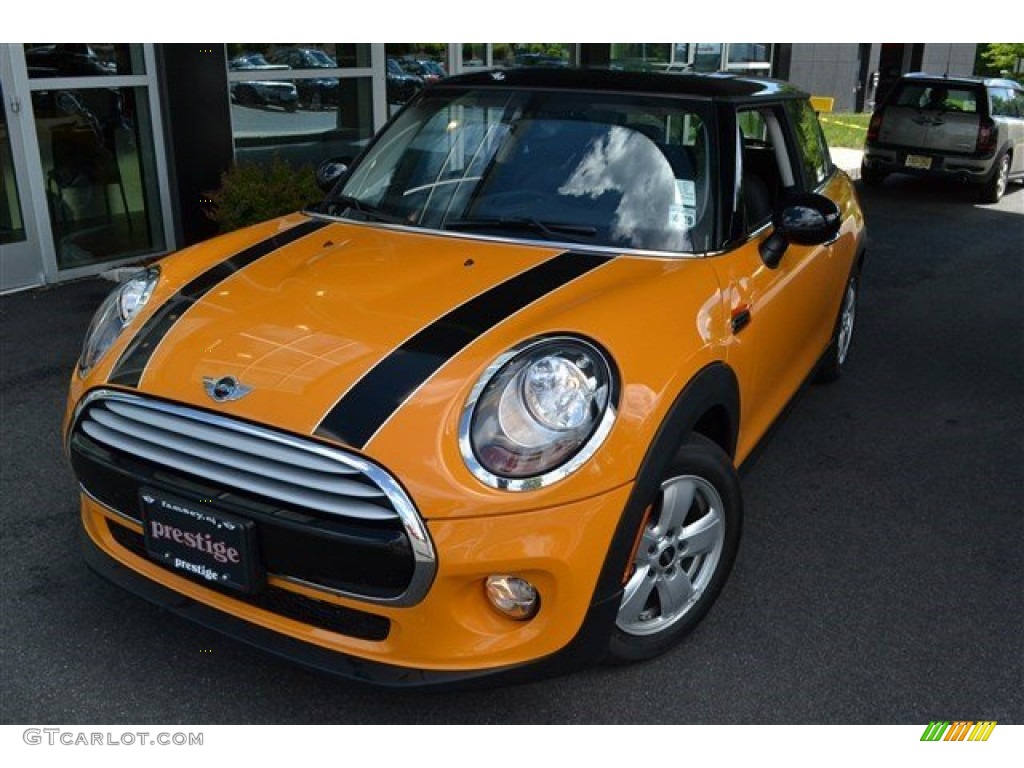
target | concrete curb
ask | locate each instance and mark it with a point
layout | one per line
(847, 160)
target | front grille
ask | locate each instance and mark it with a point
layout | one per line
(323, 516)
(186, 441)
(333, 618)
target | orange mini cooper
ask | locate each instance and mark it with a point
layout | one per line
(478, 413)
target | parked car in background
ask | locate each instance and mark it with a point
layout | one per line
(479, 412)
(401, 86)
(428, 70)
(317, 92)
(67, 60)
(965, 128)
(268, 90)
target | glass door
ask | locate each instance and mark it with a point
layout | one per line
(20, 255)
(98, 142)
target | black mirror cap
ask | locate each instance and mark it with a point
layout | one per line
(808, 219)
(330, 172)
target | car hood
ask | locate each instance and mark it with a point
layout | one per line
(372, 337)
(303, 323)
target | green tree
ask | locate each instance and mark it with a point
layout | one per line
(996, 58)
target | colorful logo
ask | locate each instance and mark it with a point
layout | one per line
(960, 730)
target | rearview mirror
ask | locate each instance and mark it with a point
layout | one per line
(330, 172)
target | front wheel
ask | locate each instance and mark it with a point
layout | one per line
(685, 549)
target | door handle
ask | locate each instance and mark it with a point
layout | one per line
(740, 319)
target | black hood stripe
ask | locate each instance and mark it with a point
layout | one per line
(128, 370)
(369, 404)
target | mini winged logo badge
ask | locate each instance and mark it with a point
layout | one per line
(225, 389)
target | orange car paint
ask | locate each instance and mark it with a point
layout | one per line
(302, 326)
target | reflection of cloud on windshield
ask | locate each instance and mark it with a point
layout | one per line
(627, 162)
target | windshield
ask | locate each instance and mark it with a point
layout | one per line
(601, 169)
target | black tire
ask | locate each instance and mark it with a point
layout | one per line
(834, 362)
(661, 564)
(872, 177)
(994, 188)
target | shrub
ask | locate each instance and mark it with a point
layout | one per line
(253, 192)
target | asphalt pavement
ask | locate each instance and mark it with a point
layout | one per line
(878, 580)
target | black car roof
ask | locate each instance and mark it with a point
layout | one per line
(962, 79)
(719, 85)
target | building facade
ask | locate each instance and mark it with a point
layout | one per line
(108, 151)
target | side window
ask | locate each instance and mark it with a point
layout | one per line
(1007, 102)
(766, 172)
(813, 158)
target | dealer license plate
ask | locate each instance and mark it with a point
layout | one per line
(201, 541)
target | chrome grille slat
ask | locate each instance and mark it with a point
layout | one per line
(129, 425)
(235, 440)
(235, 478)
(245, 462)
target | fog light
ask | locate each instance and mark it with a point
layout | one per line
(516, 598)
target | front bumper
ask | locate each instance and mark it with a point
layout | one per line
(453, 635)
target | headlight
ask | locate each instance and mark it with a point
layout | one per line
(114, 314)
(538, 412)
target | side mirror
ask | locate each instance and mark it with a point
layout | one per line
(802, 219)
(330, 172)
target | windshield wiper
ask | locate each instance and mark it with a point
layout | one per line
(551, 230)
(335, 205)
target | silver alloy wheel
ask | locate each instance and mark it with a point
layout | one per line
(677, 556)
(1004, 175)
(847, 317)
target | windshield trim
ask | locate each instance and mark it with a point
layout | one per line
(536, 242)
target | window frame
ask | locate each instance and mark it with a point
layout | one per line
(801, 170)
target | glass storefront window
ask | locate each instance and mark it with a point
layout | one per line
(427, 61)
(551, 55)
(98, 158)
(474, 55)
(640, 56)
(12, 229)
(84, 59)
(750, 53)
(294, 100)
(708, 57)
(513, 55)
(304, 55)
(333, 119)
(349, 54)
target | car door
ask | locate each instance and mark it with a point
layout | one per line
(781, 317)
